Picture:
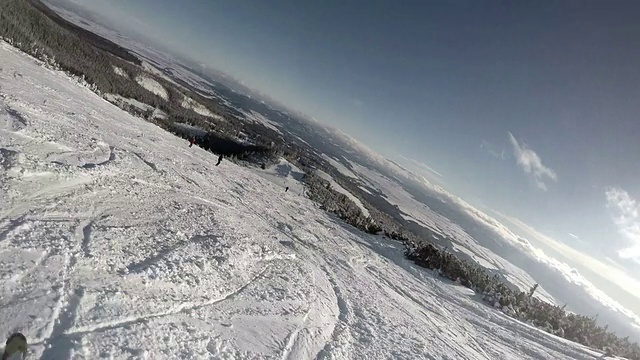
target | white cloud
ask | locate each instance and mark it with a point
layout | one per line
(574, 236)
(530, 162)
(625, 211)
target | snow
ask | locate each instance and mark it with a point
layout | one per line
(256, 117)
(284, 174)
(153, 86)
(159, 114)
(339, 166)
(133, 102)
(413, 210)
(119, 100)
(155, 71)
(117, 245)
(120, 71)
(193, 130)
(189, 103)
(335, 186)
(481, 261)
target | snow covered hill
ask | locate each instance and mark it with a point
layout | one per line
(153, 86)
(119, 241)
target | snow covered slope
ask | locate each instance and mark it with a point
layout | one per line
(118, 241)
(189, 103)
(285, 175)
(261, 119)
(335, 186)
(153, 86)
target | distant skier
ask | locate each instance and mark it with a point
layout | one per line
(191, 141)
(16, 347)
(286, 189)
(219, 160)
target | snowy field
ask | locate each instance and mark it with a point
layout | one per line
(119, 241)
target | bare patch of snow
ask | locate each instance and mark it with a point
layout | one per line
(189, 103)
(125, 102)
(153, 86)
(120, 71)
(335, 186)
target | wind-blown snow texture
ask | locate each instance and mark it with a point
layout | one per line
(118, 240)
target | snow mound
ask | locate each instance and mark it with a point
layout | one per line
(119, 241)
(153, 86)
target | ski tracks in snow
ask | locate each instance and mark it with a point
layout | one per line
(292, 338)
(182, 307)
(62, 336)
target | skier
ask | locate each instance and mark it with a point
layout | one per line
(191, 141)
(16, 347)
(286, 189)
(219, 160)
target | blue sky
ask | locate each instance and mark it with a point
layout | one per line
(529, 108)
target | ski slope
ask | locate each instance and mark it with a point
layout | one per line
(119, 241)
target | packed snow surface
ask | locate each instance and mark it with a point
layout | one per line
(285, 175)
(119, 241)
